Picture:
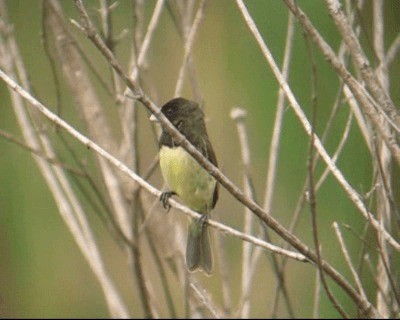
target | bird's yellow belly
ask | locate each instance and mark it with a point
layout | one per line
(192, 183)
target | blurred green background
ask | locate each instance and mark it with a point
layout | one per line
(42, 272)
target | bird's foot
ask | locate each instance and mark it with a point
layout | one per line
(164, 199)
(203, 220)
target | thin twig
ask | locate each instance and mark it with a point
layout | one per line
(107, 32)
(393, 50)
(52, 160)
(312, 199)
(337, 152)
(164, 281)
(238, 115)
(383, 163)
(276, 133)
(322, 277)
(190, 39)
(224, 274)
(273, 163)
(374, 277)
(250, 258)
(155, 18)
(348, 260)
(137, 263)
(317, 296)
(129, 147)
(185, 16)
(205, 301)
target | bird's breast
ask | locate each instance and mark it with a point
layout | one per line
(193, 184)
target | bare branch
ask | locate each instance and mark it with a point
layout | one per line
(348, 260)
(317, 299)
(238, 115)
(189, 47)
(393, 50)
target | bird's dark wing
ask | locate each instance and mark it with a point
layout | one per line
(210, 155)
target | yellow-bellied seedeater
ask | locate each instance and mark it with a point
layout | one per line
(187, 179)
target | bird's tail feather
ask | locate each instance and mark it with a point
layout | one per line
(198, 249)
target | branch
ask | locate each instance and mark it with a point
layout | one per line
(348, 260)
(189, 47)
(393, 50)
(238, 115)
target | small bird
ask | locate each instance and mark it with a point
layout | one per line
(187, 179)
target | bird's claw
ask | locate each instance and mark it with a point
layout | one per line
(164, 199)
(203, 220)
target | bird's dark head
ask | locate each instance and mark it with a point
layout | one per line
(184, 114)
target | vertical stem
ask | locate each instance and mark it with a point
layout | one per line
(382, 165)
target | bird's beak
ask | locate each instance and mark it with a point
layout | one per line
(154, 118)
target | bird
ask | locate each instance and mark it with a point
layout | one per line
(187, 179)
